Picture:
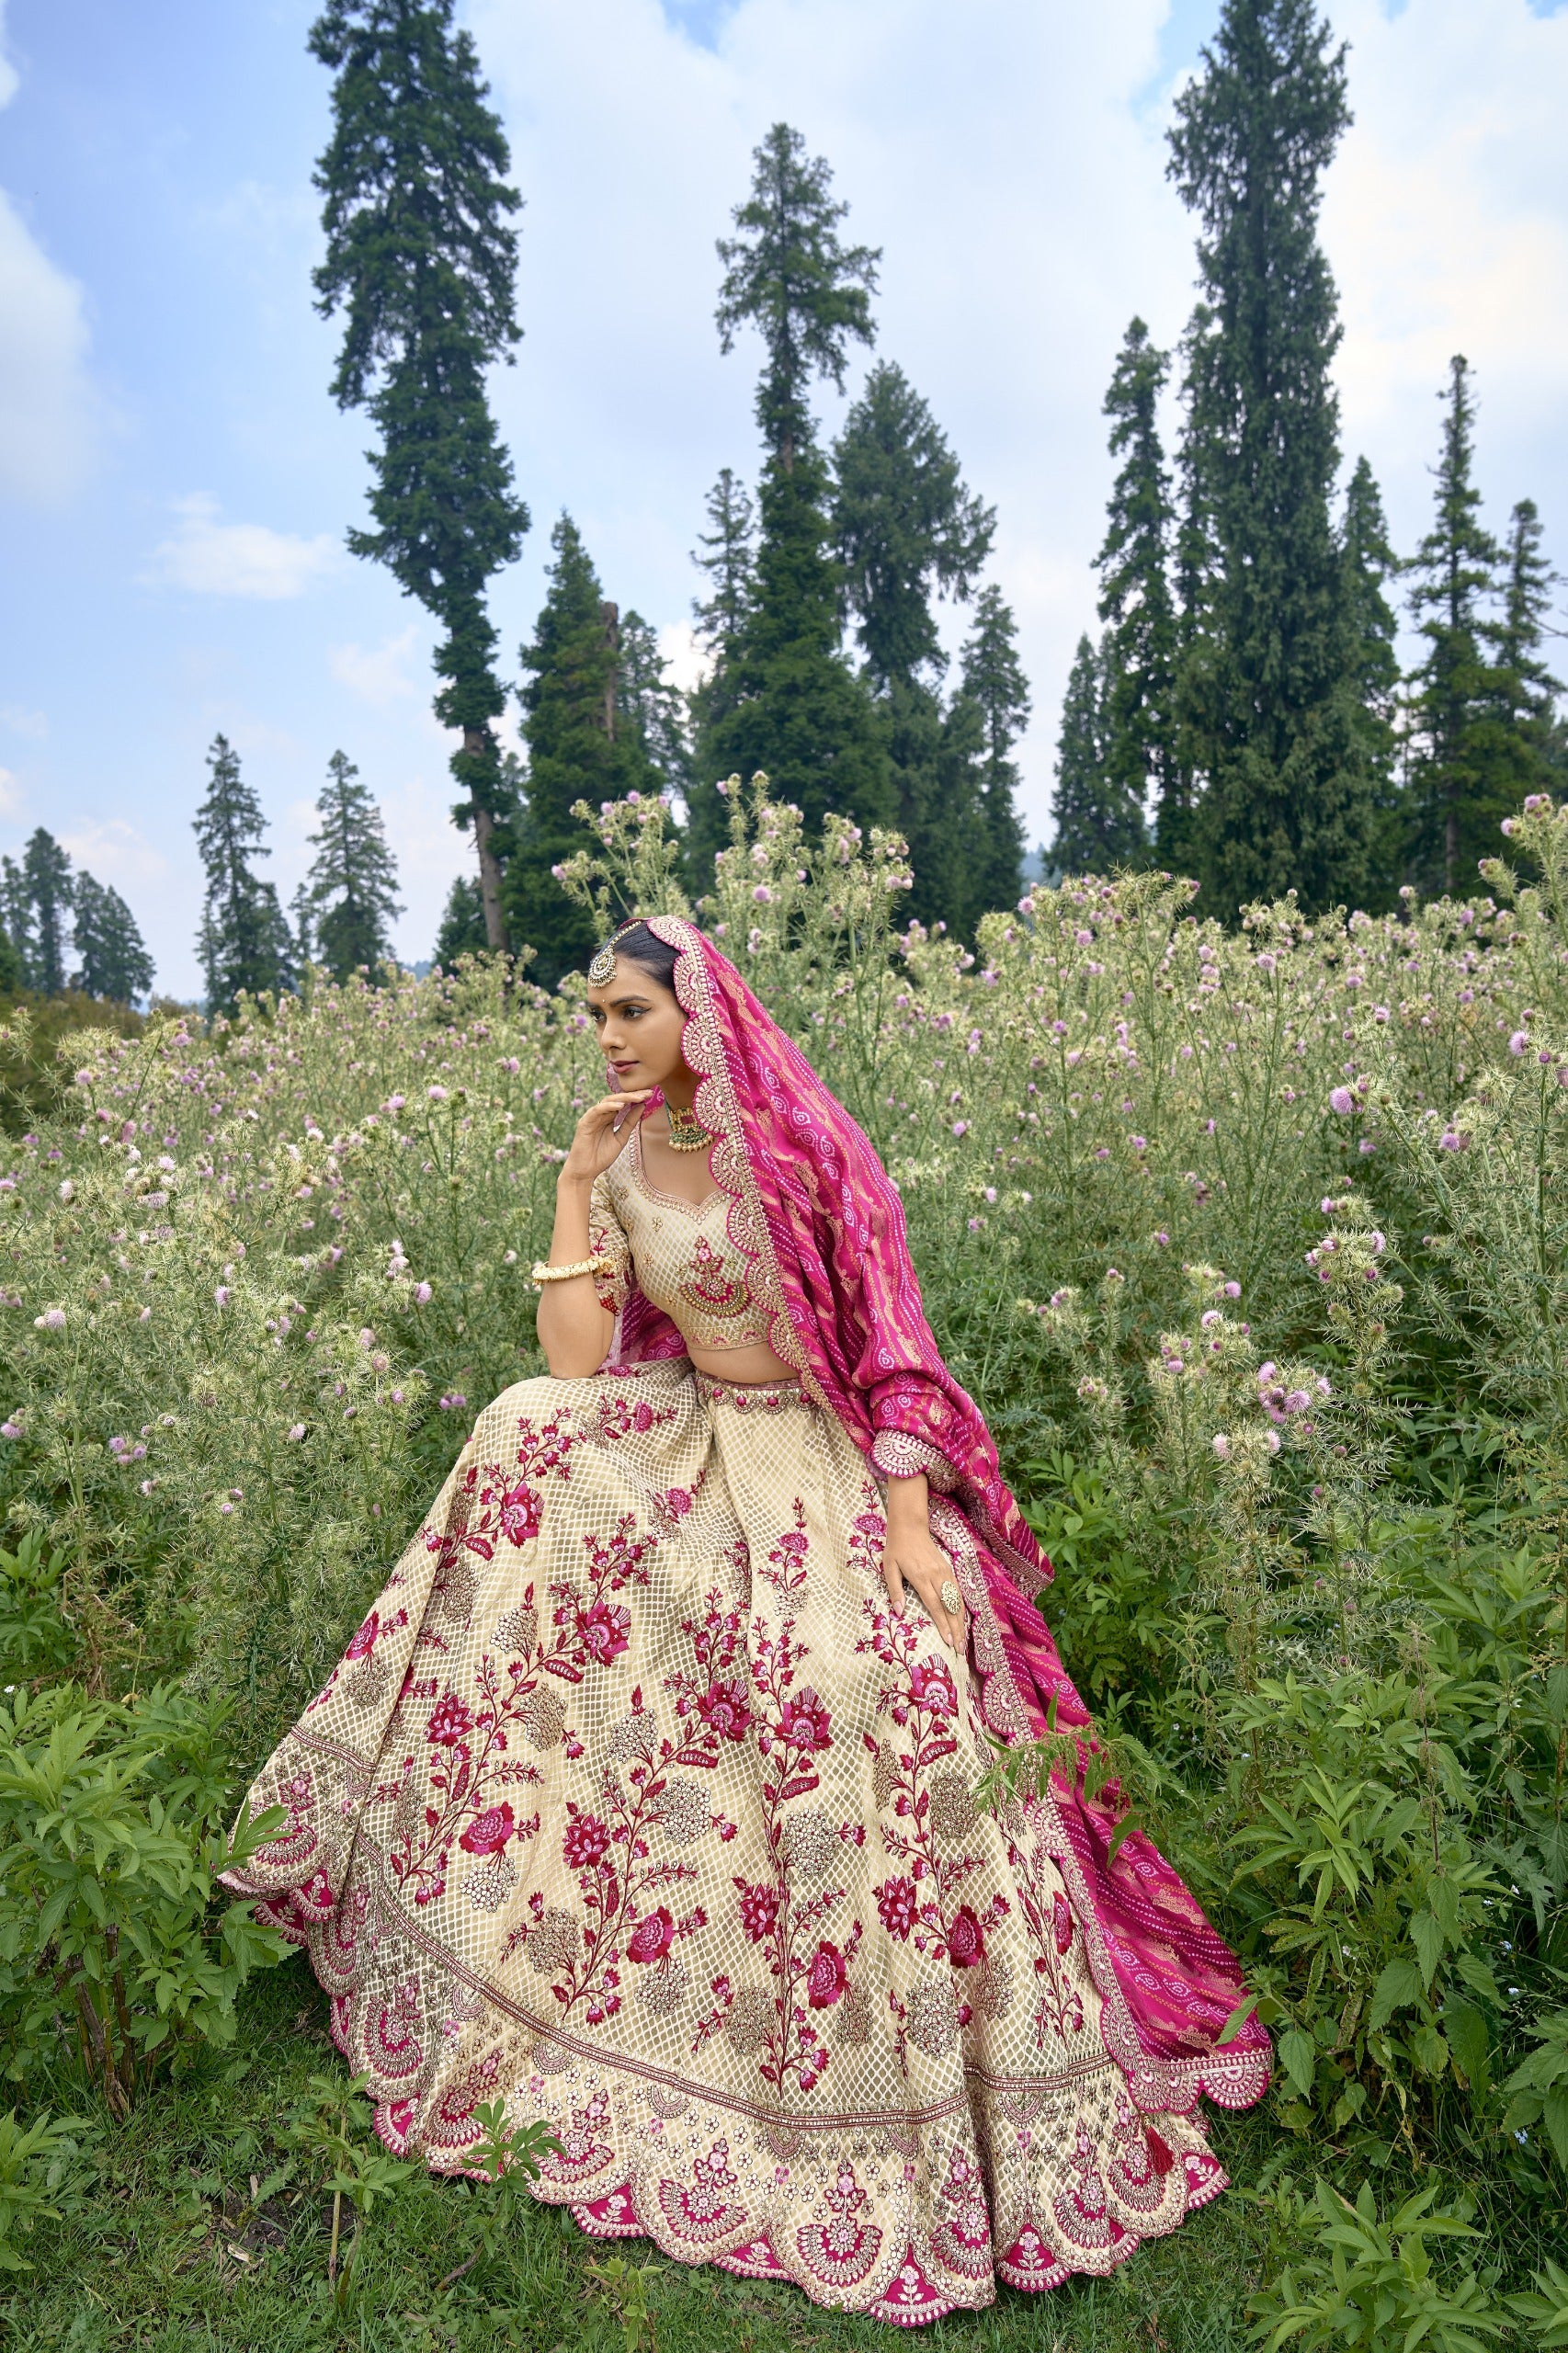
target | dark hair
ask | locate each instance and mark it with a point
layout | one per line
(642, 946)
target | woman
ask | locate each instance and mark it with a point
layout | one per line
(644, 1797)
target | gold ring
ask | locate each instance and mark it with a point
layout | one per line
(951, 1598)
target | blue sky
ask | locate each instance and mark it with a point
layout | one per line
(175, 482)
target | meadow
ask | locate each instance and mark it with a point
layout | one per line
(1252, 1246)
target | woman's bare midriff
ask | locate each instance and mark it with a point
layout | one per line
(755, 1368)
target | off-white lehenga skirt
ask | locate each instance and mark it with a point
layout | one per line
(633, 1805)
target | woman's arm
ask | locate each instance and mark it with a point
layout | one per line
(913, 1556)
(574, 1329)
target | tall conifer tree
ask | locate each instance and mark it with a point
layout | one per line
(1269, 697)
(421, 258)
(112, 959)
(1135, 589)
(19, 918)
(462, 929)
(1528, 690)
(906, 528)
(1370, 565)
(1472, 754)
(992, 686)
(652, 709)
(1099, 823)
(46, 878)
(243, 940)
(726, 553)
(578, 750)
(349, 901)
(798, 709)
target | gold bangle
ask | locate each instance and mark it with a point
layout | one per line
(539, 1274)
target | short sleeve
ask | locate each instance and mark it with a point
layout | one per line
(609, 1246)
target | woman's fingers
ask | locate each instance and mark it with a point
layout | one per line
(928, 1585)
(894, 1580)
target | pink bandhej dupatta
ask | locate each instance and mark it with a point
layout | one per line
(820, 1221)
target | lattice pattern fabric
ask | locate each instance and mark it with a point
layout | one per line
(633, 1805)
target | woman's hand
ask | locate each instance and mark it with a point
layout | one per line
(600, 1136)
(913, 1556)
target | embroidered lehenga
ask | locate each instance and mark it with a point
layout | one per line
(633, 1804)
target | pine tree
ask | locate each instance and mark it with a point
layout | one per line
(462, 929)
(46, 880)
(992, 686)
(1463, 774)
(577, 751)
(1269, 695)
(17, 908)
(797, 710)
(11, 978)
(1099, 825)
(1528, 689)
(905, 528)
(349, 901)
(113, 962)
(1370, 565)
(243, 941)
(726, 553)
(422, 259)
(1136, 591)
(652, 709)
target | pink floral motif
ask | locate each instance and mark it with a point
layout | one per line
(826, 1977)
(803, 1723)
(966, 1941)
(489, 1831)
(794, 1729)
(920, 1700)
(362, 1644)
(652, 1936)
(585, 1841)
(449, 1721)
(759, 1910)
(722, 1708)
(899, 1907)
(605, 1631)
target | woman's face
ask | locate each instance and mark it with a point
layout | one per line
(640, 1026)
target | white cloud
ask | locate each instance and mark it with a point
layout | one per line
(687, 658)
(114, 852)
(21, 722)
(48, 414)
(12, 800)
(379, 675)
(208, 558)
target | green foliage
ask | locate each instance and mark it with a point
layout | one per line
(1140, 646)
(580, 747)
(993, 699)
(45, 2169)
(111, 1852)
(243, 941)
(349, 900)
(1099, 815)
(906, 528)
(421, 258)
(1375, 2286)
(790, 705)
(1267, 696)
(112, 959)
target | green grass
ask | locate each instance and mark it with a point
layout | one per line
(169, 2257)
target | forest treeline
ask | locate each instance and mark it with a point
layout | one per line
(1240, 715)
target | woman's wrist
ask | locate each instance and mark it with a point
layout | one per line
(908, 1505)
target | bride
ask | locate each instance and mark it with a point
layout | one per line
(644, 1798)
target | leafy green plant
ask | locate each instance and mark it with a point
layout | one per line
(502, 2159)
(334, 2125)
(1373, 2285)
(45, 2169)
(111, 1851)
(35, 1640)
(624, 2287)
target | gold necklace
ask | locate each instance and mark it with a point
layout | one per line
(687, 1132)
